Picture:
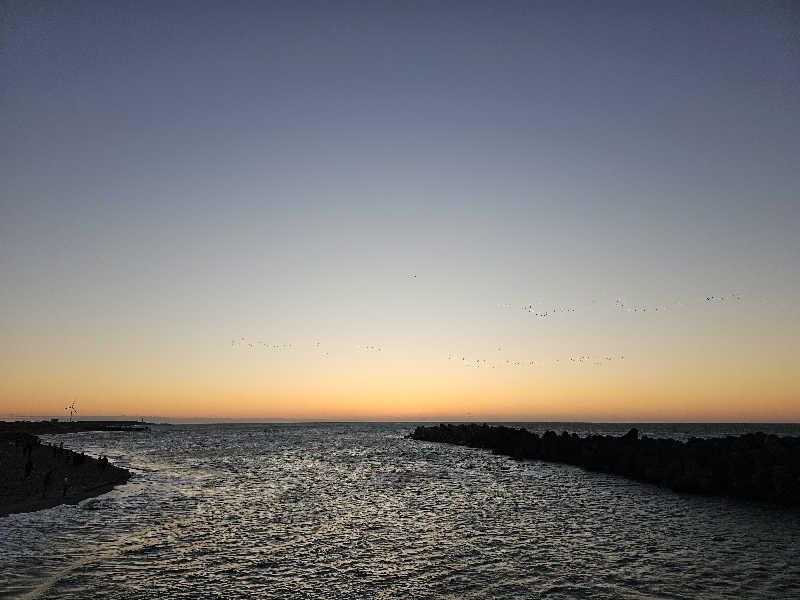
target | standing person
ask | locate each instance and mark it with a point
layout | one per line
(46, 483)
(66, 484)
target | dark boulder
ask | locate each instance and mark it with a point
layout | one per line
(753, 466)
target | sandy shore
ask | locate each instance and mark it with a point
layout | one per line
(34, 476)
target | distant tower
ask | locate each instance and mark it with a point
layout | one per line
(72, 410)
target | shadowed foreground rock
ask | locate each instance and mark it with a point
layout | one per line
(754, 466)
(34, 475)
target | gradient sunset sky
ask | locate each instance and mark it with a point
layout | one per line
(385, 199)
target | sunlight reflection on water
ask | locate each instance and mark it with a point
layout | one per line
(356, 510)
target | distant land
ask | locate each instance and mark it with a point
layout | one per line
(156, 419)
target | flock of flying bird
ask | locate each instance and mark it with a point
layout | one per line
(619, 304)
(542, 314)
(244, 342)
(478, 363)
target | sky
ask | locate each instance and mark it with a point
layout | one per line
(410, 211)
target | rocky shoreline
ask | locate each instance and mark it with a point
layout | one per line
(57, 427)
(34, 475)
(753, 466)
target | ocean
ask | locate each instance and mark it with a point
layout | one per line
(355, 510)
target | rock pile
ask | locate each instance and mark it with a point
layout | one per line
(754, 466)
(34, 475)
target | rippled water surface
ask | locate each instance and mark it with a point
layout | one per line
(358, 511)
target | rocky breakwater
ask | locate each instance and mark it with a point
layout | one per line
(34, 475)
(754, 466)
(55, 426)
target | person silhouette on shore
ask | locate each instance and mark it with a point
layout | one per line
(46, 483)
(66, 484)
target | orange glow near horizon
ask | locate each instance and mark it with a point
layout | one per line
(391, 387)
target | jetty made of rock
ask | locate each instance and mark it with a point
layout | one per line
(55, 426)
(34, 475)
(754, 466)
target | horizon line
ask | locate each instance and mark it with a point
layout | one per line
(157, 419)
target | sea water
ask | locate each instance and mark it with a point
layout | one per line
(355, 510)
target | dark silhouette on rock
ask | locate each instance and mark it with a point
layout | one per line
(30, 471)
(53, 427)
(754, 466)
